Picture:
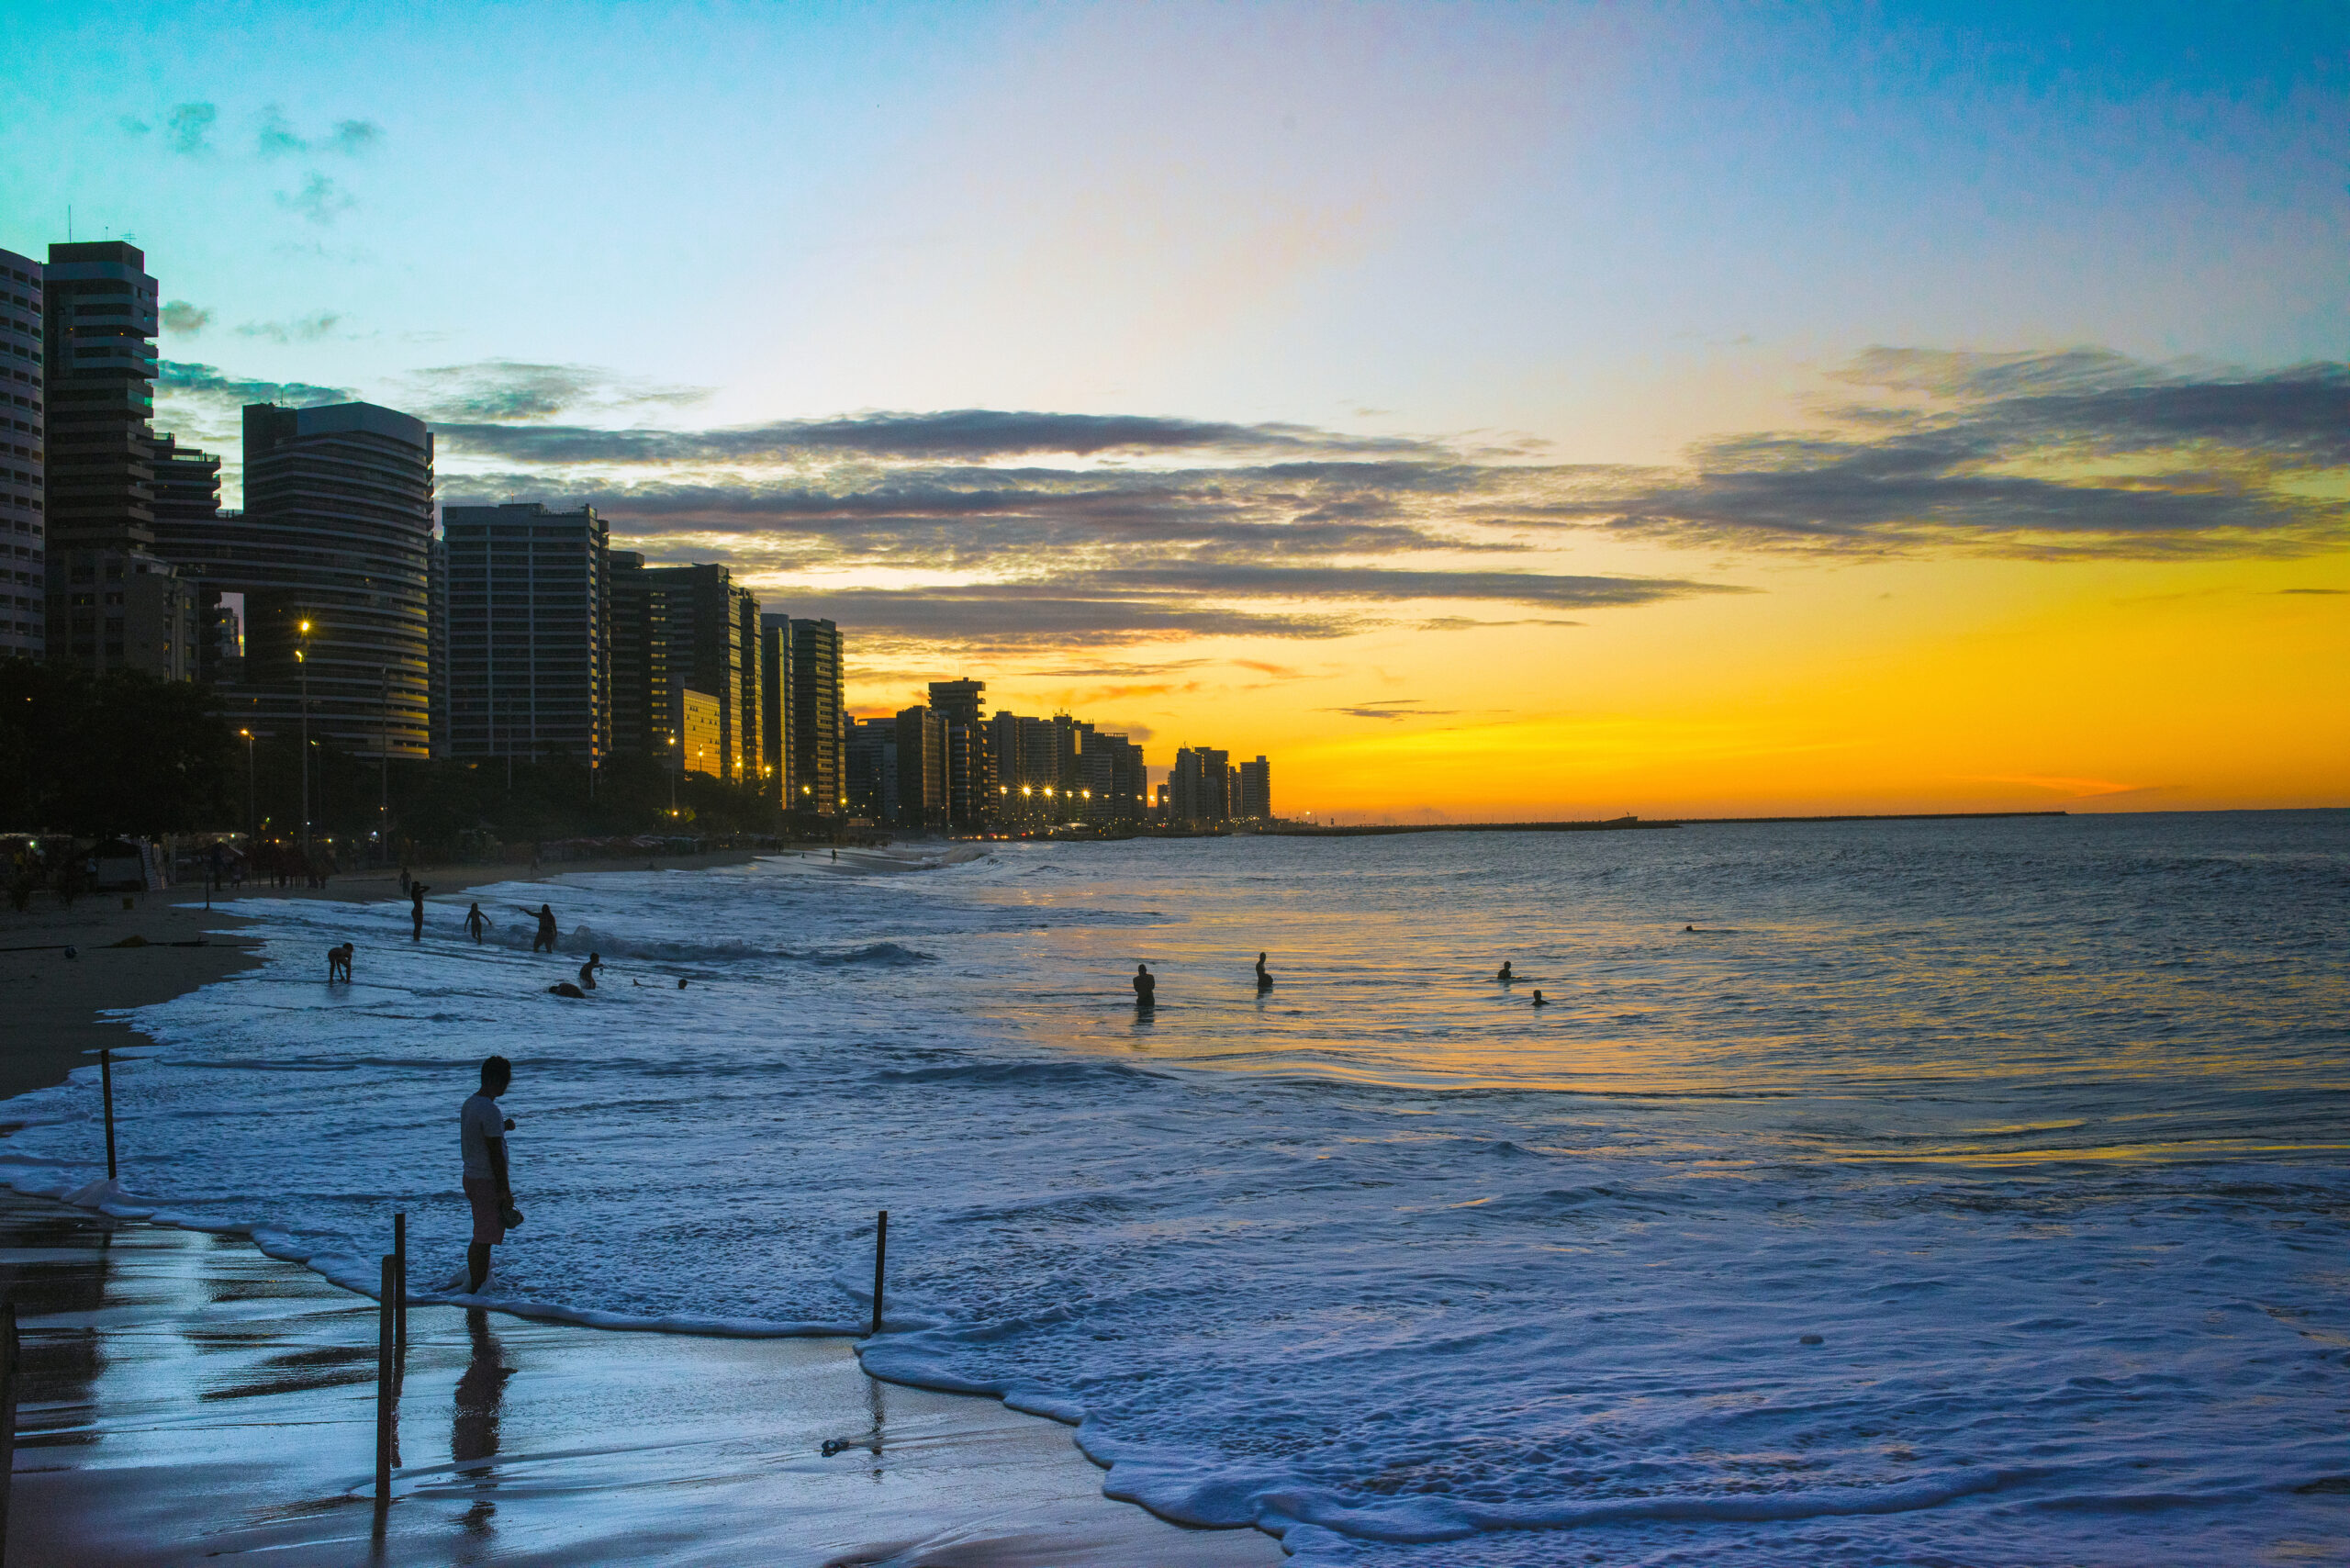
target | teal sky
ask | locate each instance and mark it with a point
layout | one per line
(1617, 228)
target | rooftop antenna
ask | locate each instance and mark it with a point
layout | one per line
(68, 223)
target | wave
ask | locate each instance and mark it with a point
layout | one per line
(1021, 1072)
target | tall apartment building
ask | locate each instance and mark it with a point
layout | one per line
(24, 528)
(329, 567)
(436, 615)
(816, 712)
(1199, 789)
(973, 790)
(1114, 777)
(869, 768)
(643, 723)
(1256, 800)
(703, 633)
(187, 487)
(922, 752)
(528, 669)
(777, 780)
(113, 602)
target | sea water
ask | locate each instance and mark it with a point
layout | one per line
(1955, 1192)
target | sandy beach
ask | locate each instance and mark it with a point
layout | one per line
(185, 1395)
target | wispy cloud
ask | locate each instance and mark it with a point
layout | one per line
(321, 199)
(1393, 708)
(515, 390)
(2082, 453)
(205, 384)
(276, 138)
(183, 319)
(187, 130)
(302, 330)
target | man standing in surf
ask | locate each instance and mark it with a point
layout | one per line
(489, 1188)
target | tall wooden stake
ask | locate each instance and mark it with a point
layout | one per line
(384, 1406)
(106, 1082)
(880, 1255)
(7, 1415)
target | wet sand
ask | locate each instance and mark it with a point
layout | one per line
(186, 1397)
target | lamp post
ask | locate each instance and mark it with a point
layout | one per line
(253, 823)
(302, 661)
(673, 779)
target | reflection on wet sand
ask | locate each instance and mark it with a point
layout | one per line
(197, 1399)
(472, 1427)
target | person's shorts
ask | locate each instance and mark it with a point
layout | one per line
(489, 1227)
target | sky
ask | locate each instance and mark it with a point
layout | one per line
(1487, 411)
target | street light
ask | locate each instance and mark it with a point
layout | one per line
(302, 659)
(251, 827)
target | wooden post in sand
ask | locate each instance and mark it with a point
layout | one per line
(7, 1415)
(399, 1309)
(106, 1086)
(385, 1408)
(880, 1254)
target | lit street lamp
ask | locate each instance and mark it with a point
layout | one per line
(252, 823)
(302, 660)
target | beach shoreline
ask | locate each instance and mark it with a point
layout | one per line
(984, 1483)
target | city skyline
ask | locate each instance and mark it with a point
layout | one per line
(1969, 440)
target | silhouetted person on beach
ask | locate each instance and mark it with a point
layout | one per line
(1506, 977)
(1145, 987)
(404, 880)
(564, 988)
(588, 972)
(489, 1187)
(475, 923)
(1537, 998)
(1264, 979)
(544, 941)
(339, 964)
(415, 892)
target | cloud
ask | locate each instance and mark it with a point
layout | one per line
(964, 434)
(188, 128)
(505, 390)
(1011, 616)
(2081, 453)
(277, 138)
(183, 319)
(320, 200)
(2326, 591)
(132, 125)
(1393, 708)
(302, 330)
(204, 384)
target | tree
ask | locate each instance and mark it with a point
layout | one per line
(120, 753)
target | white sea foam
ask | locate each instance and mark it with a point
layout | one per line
(2036, 1130)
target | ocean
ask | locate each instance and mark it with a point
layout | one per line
(1956, 1193)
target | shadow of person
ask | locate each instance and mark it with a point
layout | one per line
(481, 1392)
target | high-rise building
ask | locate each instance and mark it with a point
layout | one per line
(1199, 789)
(701, 737)
(331, 562)
(113, 602)
(642, 722)
(24, 506)
(972, 798)
(750, 704)
(870, 765)
(705, 630)
(529, 659)
(777, 781)
(436, 574)
(922, 752)
(187, 496)
(1256, 800)
(816, 714)
(1114, 777)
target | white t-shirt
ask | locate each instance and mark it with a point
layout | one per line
(481, 1122)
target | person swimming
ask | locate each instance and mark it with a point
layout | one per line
(588, 972)
(1145, 987)
(564, 988)
(1537, 998)
(1506, 977)
(1264, 979)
